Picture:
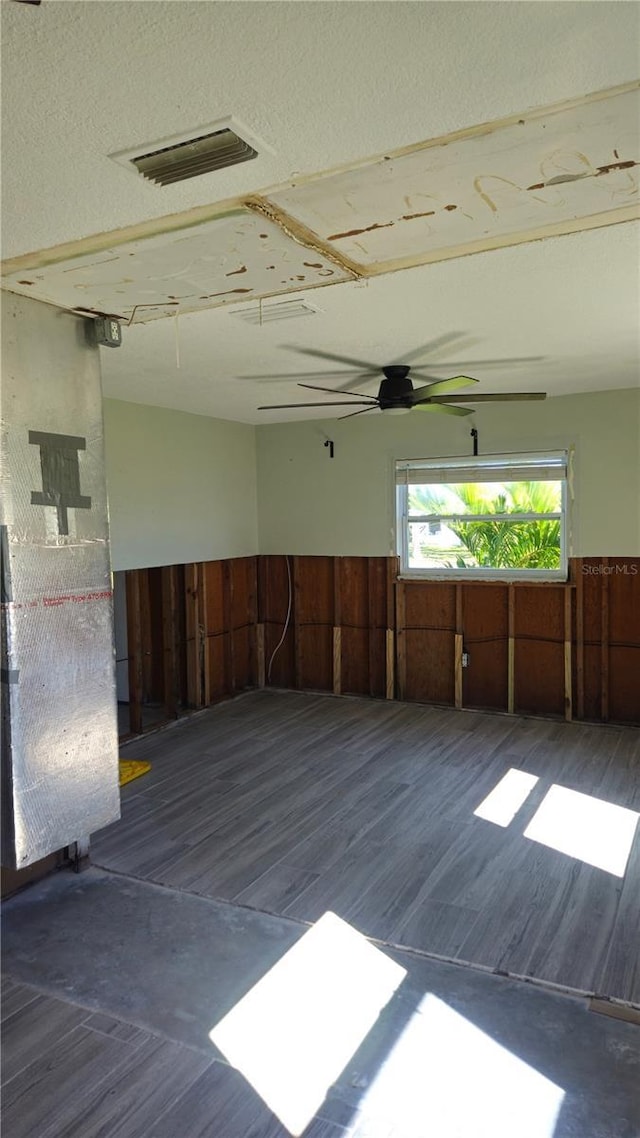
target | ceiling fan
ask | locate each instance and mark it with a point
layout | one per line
(396, 394)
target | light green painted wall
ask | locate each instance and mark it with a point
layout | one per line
(187, 488)
(181, 487)
(309, 503)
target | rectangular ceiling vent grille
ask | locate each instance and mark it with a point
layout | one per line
(189, 159)
(276, 310)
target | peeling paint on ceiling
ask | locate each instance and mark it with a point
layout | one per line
(241, 255)
(323, 87)
(560, 169)
(548, 172)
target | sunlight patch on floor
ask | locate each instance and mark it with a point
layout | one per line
(597, 832)
(506, 798)
(294, 1032)
(446, 1077)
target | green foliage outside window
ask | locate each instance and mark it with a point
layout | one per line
(532, 543)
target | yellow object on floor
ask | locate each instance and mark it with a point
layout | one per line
(130, 769)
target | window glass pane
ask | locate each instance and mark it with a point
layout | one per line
(486, 498)
(485, 544)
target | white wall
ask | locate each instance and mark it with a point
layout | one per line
(181, 487)
(309, 503)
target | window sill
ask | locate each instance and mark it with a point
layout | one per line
(505, 578)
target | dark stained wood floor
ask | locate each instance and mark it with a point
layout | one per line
(71, 1073)
(297, 804)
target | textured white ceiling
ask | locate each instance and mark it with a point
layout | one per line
(320, 84)
(572, 300)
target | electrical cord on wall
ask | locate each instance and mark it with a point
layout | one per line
(286, 624)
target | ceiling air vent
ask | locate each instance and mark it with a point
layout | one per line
(275, 310)
(194, 156)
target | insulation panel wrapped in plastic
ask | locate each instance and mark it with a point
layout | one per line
(60, 739)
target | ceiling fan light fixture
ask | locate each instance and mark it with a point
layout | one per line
(396, 410)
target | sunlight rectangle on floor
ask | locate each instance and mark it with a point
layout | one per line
(293, 1033)
(445, 1078)
(590, 829)
(502, 804)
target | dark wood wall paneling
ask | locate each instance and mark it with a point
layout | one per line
(539, 649)
(221, 619)
(426, 620)
(338, 632)
(611, 635)
(570, 650)
(192, 635)
(313, 620)
(485, 626)
(273, 593)
(364, 614)
(203, 632)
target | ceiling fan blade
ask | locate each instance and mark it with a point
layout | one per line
(496, 397)
(486, 363)
(442, 385)
(304, 374)
(283, 406)
(431, 346)
(362, 365)
(332, 390)
(423, 375)
(364, 379)
(426, 406)
(352, 413)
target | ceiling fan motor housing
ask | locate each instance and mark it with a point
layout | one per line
(396, 389)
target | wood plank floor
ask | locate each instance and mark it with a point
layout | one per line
(298, 804)
(71, 1073)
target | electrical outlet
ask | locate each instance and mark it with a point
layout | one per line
(466, 659)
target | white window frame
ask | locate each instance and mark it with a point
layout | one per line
(501, 465)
